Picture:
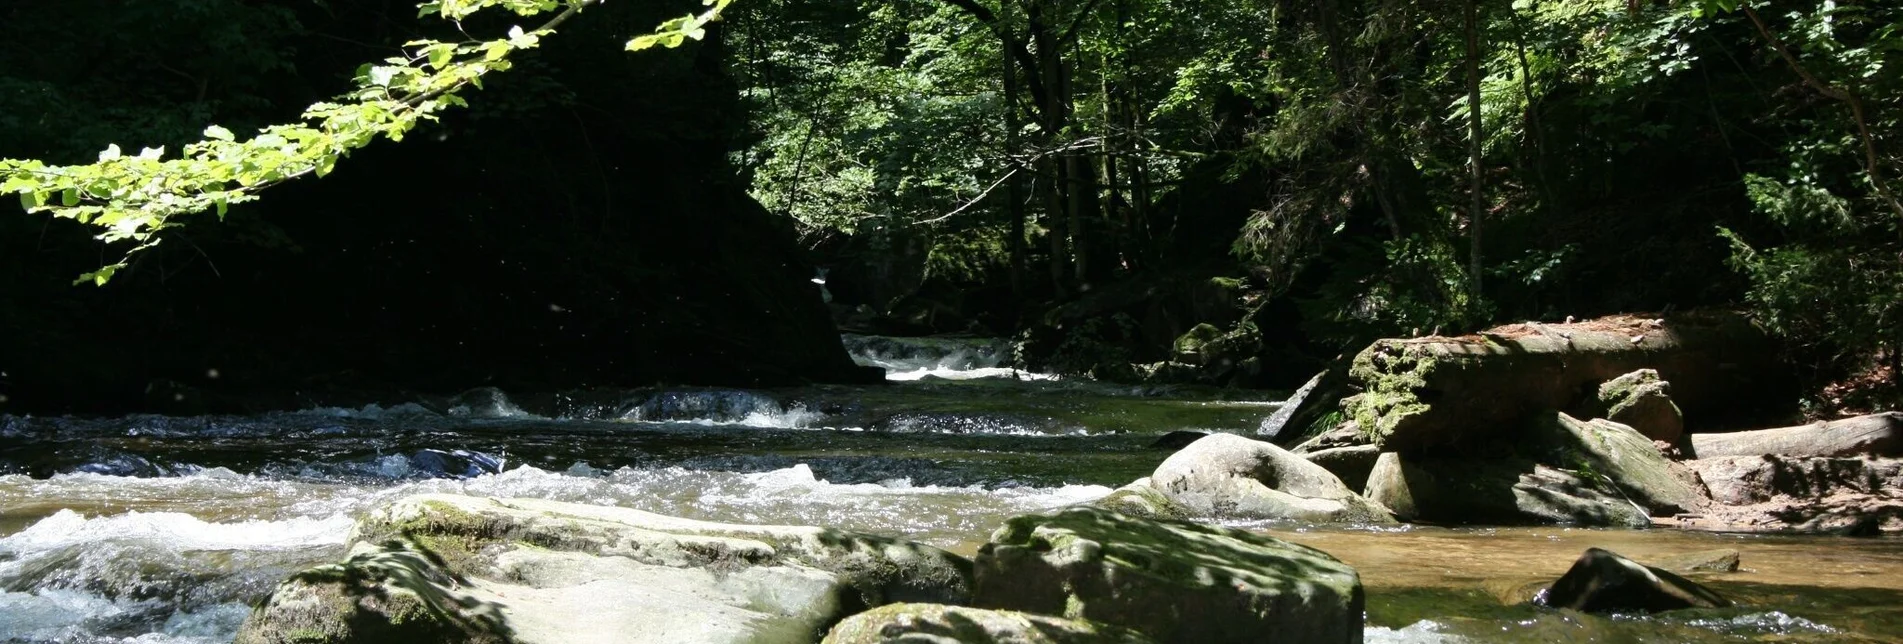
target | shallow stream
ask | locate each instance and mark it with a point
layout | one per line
(157, 529)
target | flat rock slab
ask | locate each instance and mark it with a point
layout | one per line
(1172, 581)
(1225, 475)
(941, 624)
(1860, 496)
(469, 569)
(1623, 457)
(1872, 435)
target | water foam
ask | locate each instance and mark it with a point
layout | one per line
(176, 531)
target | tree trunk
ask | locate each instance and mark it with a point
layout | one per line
(1875, 435)
(1014, 184)
(1477, 206)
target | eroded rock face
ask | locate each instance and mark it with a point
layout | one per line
(1797, 494)
(1601, 581)
(1172, 581)
(531, 571)
(1224, 475)
(1621, 456)
(941, 624)
(1510, 491)
(1643, 401)
(1142, 500)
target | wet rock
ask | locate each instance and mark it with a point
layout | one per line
(1350, 464)
(1642, 401)
(1173, 581)
(1140, 499)
(1310, 404)
(1512, 491)
(1176, 440)
(1601, 581)
(1719, 560)
(1225, 475)
(469, 569)
(941, 624)
(1621, 456)
(1874, 435)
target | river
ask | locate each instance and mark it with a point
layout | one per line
(163, 530)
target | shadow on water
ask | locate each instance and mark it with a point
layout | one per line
(1766, 613)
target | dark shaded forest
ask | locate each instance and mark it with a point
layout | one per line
(1213, 191)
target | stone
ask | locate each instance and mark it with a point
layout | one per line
(1350, 464)
(467, 569)
(1601, 581)
(1642, 401)
(1768, 493)
(1626, 459)
(1310, 405)
(941, 624)
(1225, 475)
(1178, 439)
(1346, 434)
(1140, 499)
(1719, 560)
(1506, 491)
(1176, 582)
(1873, 435)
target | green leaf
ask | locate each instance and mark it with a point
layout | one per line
(218, 133)
(69, 197)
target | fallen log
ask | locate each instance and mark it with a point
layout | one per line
(1874, 435)
(1424, 393)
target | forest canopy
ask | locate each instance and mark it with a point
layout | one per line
(1325, 172)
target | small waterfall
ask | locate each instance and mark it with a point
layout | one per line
(945, 358)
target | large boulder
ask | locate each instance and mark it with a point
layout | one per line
(1350, 464)
(1225, 475)
(463, 569)
(1601, 581)
(1511, 491)
(1173, 581)
(1622, 457)
(1140, 499)
(1423, 394)
(941, 624)
(1874, 435)
(1643, 401)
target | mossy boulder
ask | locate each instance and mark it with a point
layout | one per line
(1622, 457)
(1643, 401)
(1225, 475)
(529, 570)
(1140, 499)
(941, 624)
(1508, 491)
(1170, 580)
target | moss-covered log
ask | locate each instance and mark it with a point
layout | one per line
(1433, 392)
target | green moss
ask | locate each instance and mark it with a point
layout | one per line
(1390, 374)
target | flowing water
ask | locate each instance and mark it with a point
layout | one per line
(158, 529)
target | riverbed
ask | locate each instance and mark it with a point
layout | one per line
(156, 529)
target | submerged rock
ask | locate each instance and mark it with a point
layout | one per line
(1601, 581)
(1501, 491)
(1226, 475)
(941, 624)
(1719, 560)
(1643, 401)
(1173, 581)
(470, 569)
(1177, 439)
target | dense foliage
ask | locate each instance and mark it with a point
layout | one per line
(1140, 180)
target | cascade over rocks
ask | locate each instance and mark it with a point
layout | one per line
(453, 568)
(1175, 582)
(1225, 475)
(1601, 581)
(1873, 434)
(941, 624)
